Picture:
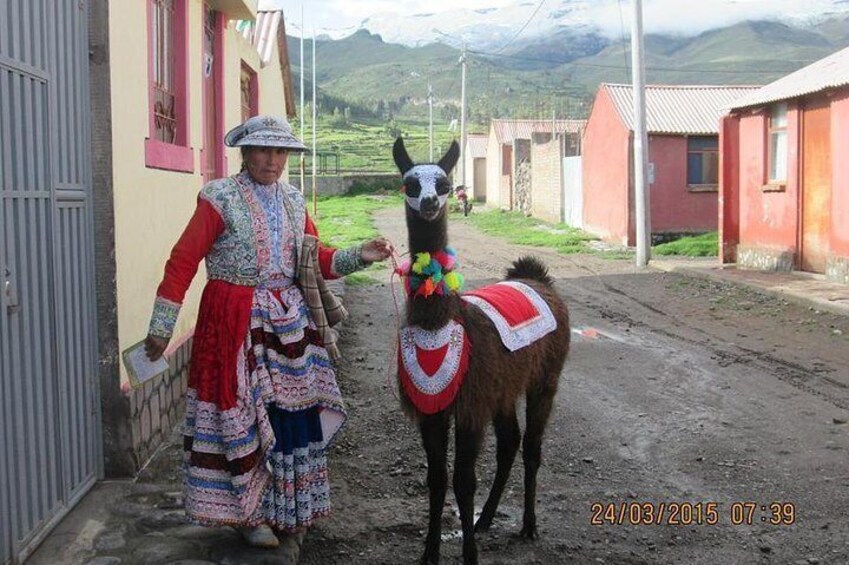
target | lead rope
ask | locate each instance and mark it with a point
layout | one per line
(393, 354)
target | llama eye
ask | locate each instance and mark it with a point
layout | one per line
(414, 188)
(443, 186)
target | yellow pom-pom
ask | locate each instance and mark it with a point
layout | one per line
(453, 281)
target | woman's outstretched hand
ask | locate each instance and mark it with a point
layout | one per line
(377, 249)
(154, 346)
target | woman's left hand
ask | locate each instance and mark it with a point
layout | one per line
(377, 249)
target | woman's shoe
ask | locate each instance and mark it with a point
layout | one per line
(259, 536)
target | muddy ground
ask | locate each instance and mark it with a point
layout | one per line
(707, 399)
(677, 390)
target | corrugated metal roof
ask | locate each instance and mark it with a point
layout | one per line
(831, 72)
(679, 110)
(477, 146)
(508, 130)
(262, 33)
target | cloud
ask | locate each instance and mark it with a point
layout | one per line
(686, 18)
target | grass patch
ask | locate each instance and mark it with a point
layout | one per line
(518, 228)
(705, 245)
(344, 221)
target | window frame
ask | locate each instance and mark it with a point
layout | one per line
(177, 155)
(770, 129)
(703, 151)
(253, 102)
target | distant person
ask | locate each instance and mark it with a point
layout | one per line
(262, 404)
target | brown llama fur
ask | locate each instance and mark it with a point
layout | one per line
(492, 386)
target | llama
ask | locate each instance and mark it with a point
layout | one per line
(458, 328)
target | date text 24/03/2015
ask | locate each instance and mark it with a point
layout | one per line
(684, 513)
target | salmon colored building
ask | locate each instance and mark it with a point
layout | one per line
(683, 145)
(784, 185)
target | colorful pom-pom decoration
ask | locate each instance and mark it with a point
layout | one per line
(431, 273)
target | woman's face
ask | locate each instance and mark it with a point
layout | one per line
(266, 164)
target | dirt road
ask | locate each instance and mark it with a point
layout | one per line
(685, 403)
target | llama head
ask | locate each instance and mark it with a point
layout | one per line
(427, 186)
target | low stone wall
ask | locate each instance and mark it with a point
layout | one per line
(765, 259)
(335, 185)
(157, 407)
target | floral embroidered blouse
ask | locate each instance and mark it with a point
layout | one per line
(249, 234)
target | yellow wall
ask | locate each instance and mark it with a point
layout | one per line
(153, 206)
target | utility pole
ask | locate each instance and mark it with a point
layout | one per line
(314, 130)
(641, 192)
(303, 109)
(463, 118)
(430, 123)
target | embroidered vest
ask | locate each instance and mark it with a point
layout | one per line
(241, 254)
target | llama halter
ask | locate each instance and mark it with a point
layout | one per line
(431, 273)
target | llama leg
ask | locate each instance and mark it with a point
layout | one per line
(434, 431)
(465, 483)
(539, 402)
(508, 437)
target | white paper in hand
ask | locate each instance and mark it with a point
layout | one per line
(141, 369)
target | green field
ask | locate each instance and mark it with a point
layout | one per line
(365, 144)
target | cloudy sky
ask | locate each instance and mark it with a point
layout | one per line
(682, 16)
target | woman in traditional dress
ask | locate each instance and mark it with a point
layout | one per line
(262, 404)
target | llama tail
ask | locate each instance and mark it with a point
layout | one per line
(529, 267)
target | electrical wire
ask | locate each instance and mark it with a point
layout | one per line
(624, 44)
(523, 28)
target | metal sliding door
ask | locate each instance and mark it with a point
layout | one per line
(48, 421)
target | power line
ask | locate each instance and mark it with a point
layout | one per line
(622, 28)
(527, 23)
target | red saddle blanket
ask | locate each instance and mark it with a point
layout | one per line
(518, 311)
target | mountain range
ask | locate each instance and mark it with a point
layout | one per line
(558, 72)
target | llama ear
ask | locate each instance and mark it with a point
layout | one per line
(450, 158)
(402, 158)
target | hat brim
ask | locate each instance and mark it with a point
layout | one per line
(236, 138)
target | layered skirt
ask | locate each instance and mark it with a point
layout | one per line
(262, 407)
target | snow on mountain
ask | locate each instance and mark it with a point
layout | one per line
(492, 28)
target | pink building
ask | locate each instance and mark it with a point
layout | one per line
(784, 186)
(683, 128)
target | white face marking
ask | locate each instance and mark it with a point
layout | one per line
(427, 177)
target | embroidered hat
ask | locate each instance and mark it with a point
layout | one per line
(264, 131)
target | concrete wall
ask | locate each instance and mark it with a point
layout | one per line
(838, 265)
(336, 185)
(729, 188)
(676, 207)
(547, 178)
(606, 173)
(768, 215)
(494, 181)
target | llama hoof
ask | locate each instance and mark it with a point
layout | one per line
(429, 560)
(483, 525)
(529, 533)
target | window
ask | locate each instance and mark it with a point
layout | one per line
(250, 96)
(777, 145)
(702, 161)
(167, 145)
(164, 111)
